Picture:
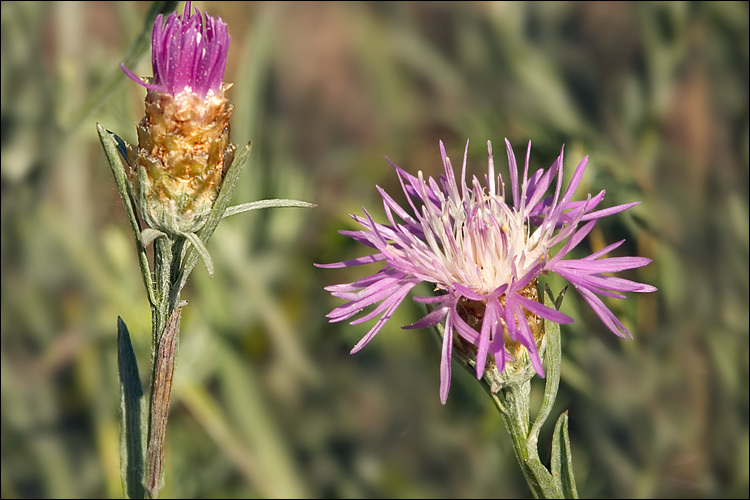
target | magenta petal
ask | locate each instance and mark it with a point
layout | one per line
(610, 211)
(445, 358)
(462, 328)
(353, 262)
(609, 265)
(491, 330)
(184, 56)
(394, 300)
(430, 320)
(513, 169)
(607, 317)
(543, 311)
(138, 80)
(374, 330)
(527, 339)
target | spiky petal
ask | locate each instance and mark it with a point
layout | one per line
(187, 52)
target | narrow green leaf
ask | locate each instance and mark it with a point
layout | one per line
(108, 141)
(275, 203)
(542, 483)
(555, 462)
(562, 458)
(566, 473)
(552, 357)
(163, 263)
(225, 194)
(202, 251)
(132, 413)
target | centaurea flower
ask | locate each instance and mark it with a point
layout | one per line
(184, 149)
(483, 251)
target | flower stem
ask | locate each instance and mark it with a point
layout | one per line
(512, 401)
(161, 392)
(513, 404)
(166, 329)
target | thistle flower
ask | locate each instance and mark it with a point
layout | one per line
(483, 252)
(184, 149)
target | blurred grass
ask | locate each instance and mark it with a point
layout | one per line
(267, 400)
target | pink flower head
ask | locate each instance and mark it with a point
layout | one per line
(187, 53)
(477, 244)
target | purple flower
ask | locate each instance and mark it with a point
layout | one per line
(184, 147)
(483, 252)
(187, 53)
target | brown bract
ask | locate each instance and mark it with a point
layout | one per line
(184, 151)
(472, 312)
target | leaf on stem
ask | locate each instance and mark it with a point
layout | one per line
(132, 415)
(274, 203)
(552, 358)
(561, 463)
(202, 251)
(111, 147)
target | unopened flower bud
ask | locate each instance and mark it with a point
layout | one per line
(184, 148)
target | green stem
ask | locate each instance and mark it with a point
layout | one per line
(511, 396)
(513, 404)
(516, 418)
(166, 329)
(161, 392)
(162, 278)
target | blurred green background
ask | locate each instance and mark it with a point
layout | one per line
(267, 401)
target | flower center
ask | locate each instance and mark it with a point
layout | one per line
(482, 243)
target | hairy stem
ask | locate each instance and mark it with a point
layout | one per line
(166, 330)
(161, 393)
(514, 399)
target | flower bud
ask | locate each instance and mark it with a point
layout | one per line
(184, 148)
